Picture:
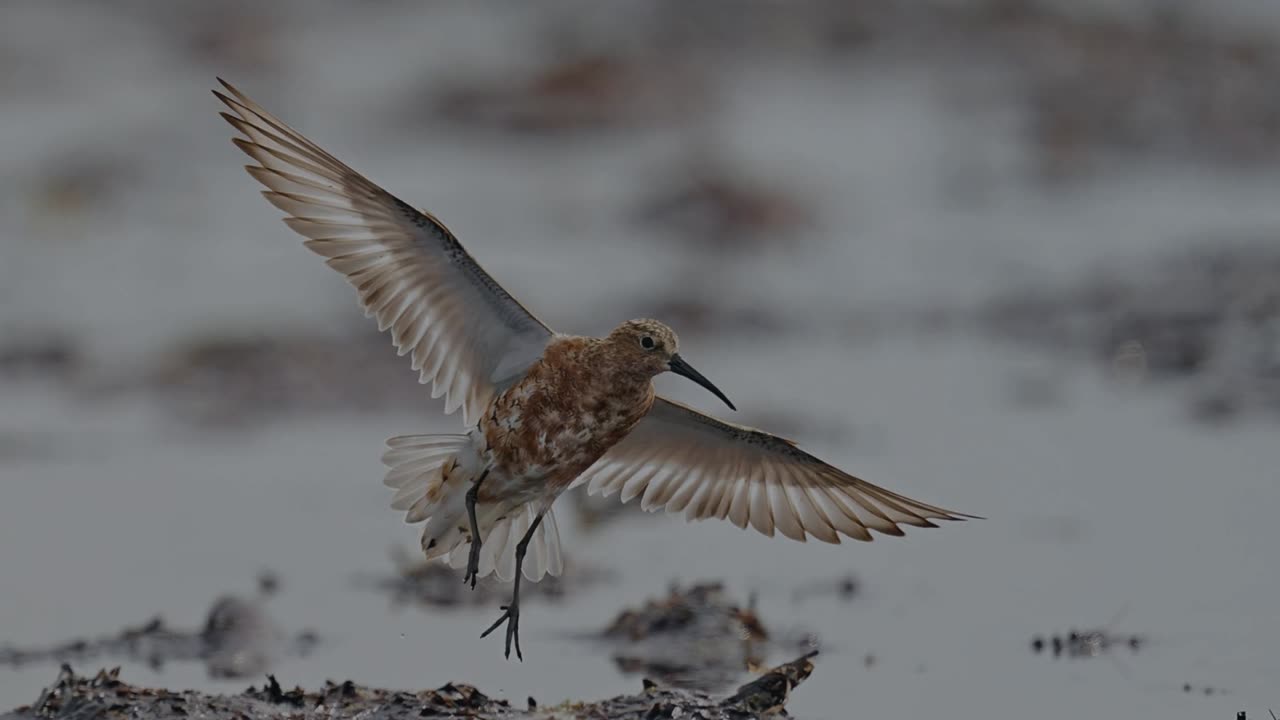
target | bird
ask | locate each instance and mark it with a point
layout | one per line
(544, 412)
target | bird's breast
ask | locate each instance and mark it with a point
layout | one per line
(553, 424)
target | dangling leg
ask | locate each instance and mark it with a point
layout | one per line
(473, 560)
(512, 612)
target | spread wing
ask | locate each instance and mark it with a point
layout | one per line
(682, 460)
(463, 331)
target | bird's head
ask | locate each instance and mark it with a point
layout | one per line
(650, 347)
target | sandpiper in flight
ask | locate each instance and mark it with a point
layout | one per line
(546, 411)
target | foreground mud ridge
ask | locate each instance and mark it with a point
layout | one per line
(106, 696)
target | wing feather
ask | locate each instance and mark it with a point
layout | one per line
(784, 520)
(681, 460)
(466, 335)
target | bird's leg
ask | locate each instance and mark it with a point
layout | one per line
(511, 613)
(473, 560)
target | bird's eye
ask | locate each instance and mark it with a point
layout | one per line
(647, 343)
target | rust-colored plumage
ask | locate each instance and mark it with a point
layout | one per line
(572, 405)
(545, 411)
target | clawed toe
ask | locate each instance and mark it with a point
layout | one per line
(510, 615)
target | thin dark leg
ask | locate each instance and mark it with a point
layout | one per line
(511, 613)
(473, 560)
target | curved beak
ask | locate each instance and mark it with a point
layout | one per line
(680, 367)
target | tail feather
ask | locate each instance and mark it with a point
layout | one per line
(500, 537)
(418, 467)
(430, 479)
(493, 551)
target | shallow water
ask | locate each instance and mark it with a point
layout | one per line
(1105, 505)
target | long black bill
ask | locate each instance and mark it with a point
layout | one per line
(680, 367)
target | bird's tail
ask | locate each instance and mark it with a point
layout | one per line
(431, 476)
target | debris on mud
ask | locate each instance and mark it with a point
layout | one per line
(1208, 318)
(693, 638)
(1080, 644)
(1207, 690)
(1168, 84)
(41, 355)
(722, 211)
(1159, 82)
(767, 694)
(237, 382)
(239, 639)
(106, 696)
(578, 92)
(682, 610)
(431, 583)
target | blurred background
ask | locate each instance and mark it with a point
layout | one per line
(1017, 258)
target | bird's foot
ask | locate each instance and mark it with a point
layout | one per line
(511, 614)
(473, 565)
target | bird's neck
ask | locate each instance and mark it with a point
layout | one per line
(615, 377)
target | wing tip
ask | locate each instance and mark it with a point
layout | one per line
(236, 96)
(225, 86)
(864, 536)
(246, 146)
(938, 513)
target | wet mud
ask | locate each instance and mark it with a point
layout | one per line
(696, 637)
(105, 695)
(239, 638)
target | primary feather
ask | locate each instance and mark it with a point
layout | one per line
(464, 333)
